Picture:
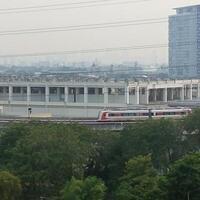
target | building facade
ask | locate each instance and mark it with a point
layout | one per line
(184, 42)
(84, 99)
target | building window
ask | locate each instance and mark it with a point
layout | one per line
(72, 91)
(100, 91)
(132, 91)
(16, 90)
(91, 90)
(37, 90)
(81, 91)
(7, 90)
(52, 90)
(24, 90)
(143, 91)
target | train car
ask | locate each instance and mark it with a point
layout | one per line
(171, 113)
(133, 115)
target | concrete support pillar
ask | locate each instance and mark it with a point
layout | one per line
(47, 94)
(58, 92)
(137, 95)
(66, 94)
(85, 94)
(190, 92)
(165, 95)
(147, 95)
(198, 91)
(10, 93)
(182, 94)
(105, 92)
(127, 101)
(155, 95)
(28, 94)
(172, 94)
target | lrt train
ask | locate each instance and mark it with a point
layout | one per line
(132, 115)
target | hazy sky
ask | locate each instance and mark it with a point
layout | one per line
(89, 39)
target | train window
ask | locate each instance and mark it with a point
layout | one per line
(159, 113)
(144, 114)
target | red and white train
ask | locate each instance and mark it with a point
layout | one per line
(132, 115)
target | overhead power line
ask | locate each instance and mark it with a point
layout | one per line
(85, 26)
(61, 6)
(86, 51)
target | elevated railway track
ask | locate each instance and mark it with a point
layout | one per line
(92, 123)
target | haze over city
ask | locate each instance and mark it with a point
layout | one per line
(138, 34)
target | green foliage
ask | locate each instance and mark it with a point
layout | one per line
(10, 187)
(47, 156)
(183, 179)
(192, 122)
(159, 138)
(139, 182)
(90, 188)
(73, 190)
(8, 139)
(102, 161)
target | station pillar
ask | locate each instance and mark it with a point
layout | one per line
(127, 100)
(182, 94)
(47, 94)
(66, 94)
(165, 95)
(10, 93)
(137, 95)
(190, 92)
(85, 94)
(28, 94)
(105, 92)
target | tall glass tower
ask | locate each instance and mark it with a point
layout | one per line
(184, 42)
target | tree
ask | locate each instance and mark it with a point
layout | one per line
(47, 156)
(9, 137)
(191, 127)
(10, 187)
(184, 178)
(139, 182)
(191, 122)
(73, 190)
(91, 188)
(160, 138)
(105, 146)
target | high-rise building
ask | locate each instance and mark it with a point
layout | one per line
(184, 42)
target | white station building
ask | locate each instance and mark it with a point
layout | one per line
(59, 97)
